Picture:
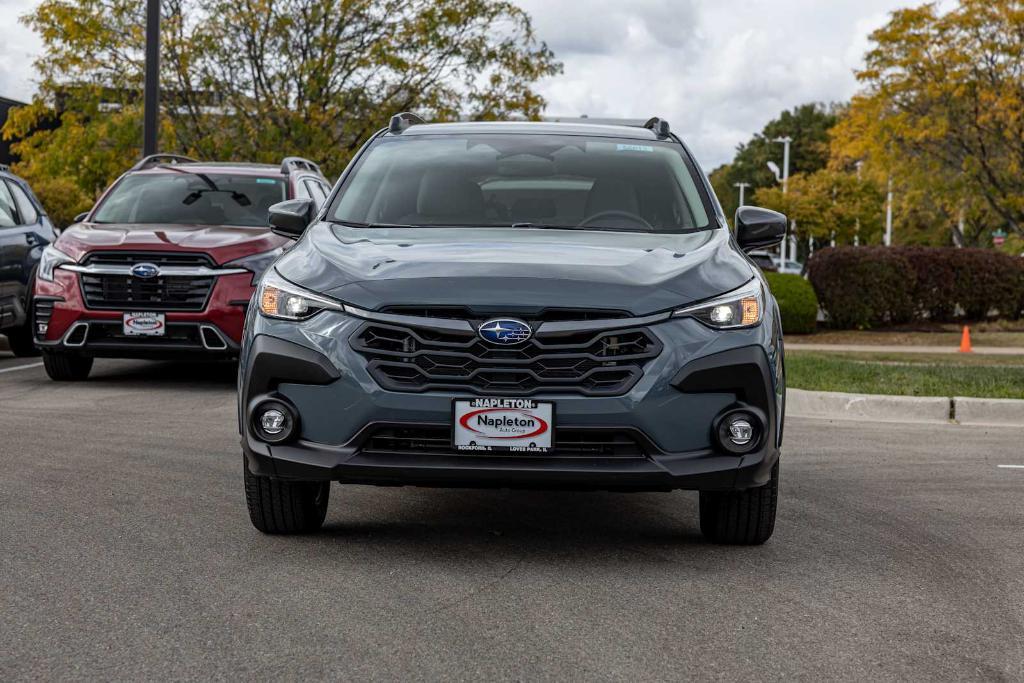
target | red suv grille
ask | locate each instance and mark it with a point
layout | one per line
(162, 293)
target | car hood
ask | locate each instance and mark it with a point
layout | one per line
(222, 243)
(527, 269)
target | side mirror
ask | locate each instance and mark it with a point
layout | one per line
(757, 228)
(291, 218)
(80, 217)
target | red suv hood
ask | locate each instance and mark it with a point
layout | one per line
(222, 243)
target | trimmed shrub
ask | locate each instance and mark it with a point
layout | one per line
(863, 287)
(797, 302)
(868, 286)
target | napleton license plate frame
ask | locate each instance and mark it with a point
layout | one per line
(501, 449)
(130, 331)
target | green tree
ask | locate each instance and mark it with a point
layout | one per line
(807, 124)
(259, 79)
(830, 204)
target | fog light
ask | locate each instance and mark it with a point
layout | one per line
(740, 431)
(272, 421)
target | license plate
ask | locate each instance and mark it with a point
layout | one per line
(506, 425)
(144, 324)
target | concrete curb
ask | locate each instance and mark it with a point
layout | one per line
(988, 411)
(876, 408)
(998, 412)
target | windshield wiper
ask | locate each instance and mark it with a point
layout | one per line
(192, 197)
(358, 224)
(239, 197)
(595, 228)
(542, 226)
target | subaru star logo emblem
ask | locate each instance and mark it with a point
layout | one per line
(504, 331)
(145, 270)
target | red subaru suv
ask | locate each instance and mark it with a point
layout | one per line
(165, 263)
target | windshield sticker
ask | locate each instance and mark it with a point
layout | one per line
(634, 148)
(265, 181)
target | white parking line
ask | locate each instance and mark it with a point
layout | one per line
(21, 367)
(1011, 467)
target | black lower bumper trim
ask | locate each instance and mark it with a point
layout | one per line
(704, 470)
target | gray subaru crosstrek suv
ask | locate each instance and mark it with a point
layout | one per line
(529, 305)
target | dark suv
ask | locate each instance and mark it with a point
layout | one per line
(165, 264)
(516, 305)
(25, 230)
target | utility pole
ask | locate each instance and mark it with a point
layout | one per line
(743, 187)
(856, 234)
(888, 215)
(786, 142)
(151, 96)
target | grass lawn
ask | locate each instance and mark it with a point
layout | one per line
(907, 375)
(984, 334)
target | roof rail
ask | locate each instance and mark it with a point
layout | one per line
(659, 126)
(289, 164)
(400, 122)
(156, 159)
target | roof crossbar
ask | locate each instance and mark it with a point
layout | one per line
(659, 126)
(400, 122)
(157, 159)
(289, 164)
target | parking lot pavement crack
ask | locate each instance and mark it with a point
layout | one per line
(475, 593)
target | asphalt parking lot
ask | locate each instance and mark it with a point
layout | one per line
(127, 554)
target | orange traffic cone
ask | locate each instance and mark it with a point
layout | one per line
(965, 341)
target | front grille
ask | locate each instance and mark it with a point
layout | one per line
(162, 293)
(594, 363)
(569, 443)
(175, 335)
(130, 258)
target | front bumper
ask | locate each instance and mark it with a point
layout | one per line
(669, 412)
(72, 327)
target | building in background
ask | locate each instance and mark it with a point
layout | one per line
(6, 104)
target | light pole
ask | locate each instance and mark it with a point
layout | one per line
(786, 142)
(784, 178)
(856, 234)
(151, 94)
(743, 187)
(888, 215)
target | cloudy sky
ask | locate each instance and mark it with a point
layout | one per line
(718, 70)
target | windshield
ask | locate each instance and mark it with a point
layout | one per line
(186, 198)
(526, 181)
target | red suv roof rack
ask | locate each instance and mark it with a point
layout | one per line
(289, 164)
(156, 159)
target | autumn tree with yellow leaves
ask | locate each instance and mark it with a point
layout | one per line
(942, 114)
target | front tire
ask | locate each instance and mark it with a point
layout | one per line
(21, 343)
(65, 367)
(740, 517)
(285, 507)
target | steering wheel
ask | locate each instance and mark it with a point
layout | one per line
(617, 214)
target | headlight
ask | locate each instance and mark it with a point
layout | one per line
(257, 263)
(278, 298)
(51, 259)
(741, 307)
